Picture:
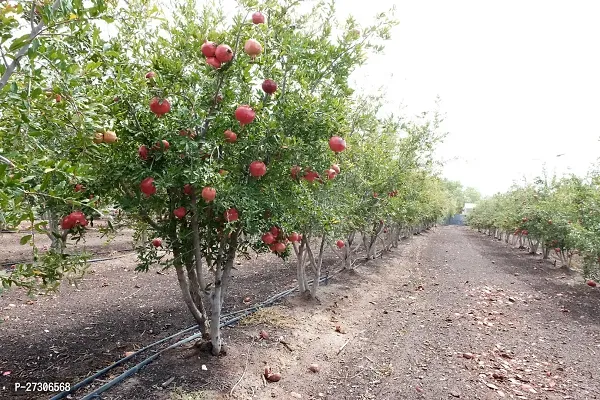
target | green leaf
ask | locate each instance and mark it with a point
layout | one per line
(25, 239)
(18, 43)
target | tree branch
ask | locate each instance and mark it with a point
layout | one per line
(36, 30)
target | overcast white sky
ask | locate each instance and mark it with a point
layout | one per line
(519, 82)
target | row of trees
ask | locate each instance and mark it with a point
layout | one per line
(211, 136)
(551, 215)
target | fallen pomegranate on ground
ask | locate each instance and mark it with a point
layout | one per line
(271, 376)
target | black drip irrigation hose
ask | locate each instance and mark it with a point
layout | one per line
(94, 260)
(233, 316)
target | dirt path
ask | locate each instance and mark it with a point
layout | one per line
(462, 316)
(451, 314)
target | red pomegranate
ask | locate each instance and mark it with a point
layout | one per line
(147, 186)
(160, 107)
(257, 169)
(294, 171)
(143, 152)
(279, 247)
(208, 49)
(230, 136)
(268, 238)
(252, 48)
(231, 215)
(223, 53)
(258, 18)
(179, 212)
(269, 86)
(213, 62)
(337, 144)
(209, 194)
(244, 114)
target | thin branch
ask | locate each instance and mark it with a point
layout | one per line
(32, 15)
(36, 30)
(3, 57)
(7, 161)
(333, 63)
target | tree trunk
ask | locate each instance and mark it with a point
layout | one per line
(196, 241)
(316, 265)
(58, 237)
(223, 267)
(300, 260)
(184, 285)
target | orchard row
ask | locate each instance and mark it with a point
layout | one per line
(560, 217)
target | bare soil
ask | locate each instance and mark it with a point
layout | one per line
(450, 314)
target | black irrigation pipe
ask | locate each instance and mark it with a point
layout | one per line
(238, 316)
(127, 252)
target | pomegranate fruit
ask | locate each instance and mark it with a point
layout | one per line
(337, 144)
(162, 145)
(269, 86)
(160, 107)
(110, 137)
(244, 114)
(79, 187)
(98, 137)
(311, 176)
(257, 169)
(147, 186)
(213, 62)
(330, 173)
(274, 230)
(252, 48)
(224, 53)
(76, 218)
(188, 189)
(231, 215)
(209, 193)
(258, 18)
(230, 136)
(143, 152)
(179, 212)
(268, 238)
(336, 168)
(279, 247)
(294, 237)
(294, 171)
(156, 242)
(208, 49)
(340, 244)
(150, 75)
(591, 283)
